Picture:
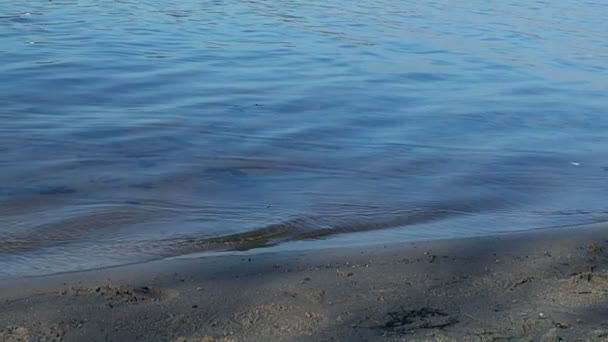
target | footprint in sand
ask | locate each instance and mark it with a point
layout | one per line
(116, 295)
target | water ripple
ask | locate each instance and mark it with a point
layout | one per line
(133, 130)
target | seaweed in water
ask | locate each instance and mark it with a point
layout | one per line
(405, 321)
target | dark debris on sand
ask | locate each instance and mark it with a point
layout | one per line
(407, 321)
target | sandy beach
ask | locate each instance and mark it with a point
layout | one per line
(547, 285)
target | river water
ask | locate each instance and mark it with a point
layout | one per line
(135, 130)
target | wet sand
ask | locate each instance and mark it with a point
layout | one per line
(538, 286)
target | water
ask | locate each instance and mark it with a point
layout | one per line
(134, 130)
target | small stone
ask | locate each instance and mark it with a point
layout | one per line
(599, 333)
(200, 289)
(345, 274)
(541, 315)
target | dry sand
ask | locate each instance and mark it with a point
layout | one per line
(540, 286)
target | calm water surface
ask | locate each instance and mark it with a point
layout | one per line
(133, 130)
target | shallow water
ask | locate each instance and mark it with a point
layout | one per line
(133, 130)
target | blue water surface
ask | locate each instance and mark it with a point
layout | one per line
(132, 130)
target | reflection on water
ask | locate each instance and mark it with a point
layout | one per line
(133, 130)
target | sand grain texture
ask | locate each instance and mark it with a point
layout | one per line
(540, 286)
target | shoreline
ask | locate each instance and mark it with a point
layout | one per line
(535, 285)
